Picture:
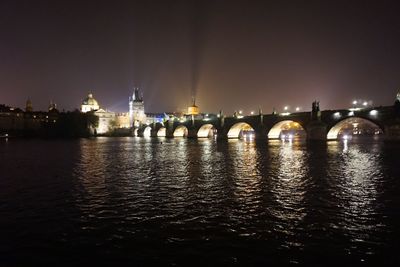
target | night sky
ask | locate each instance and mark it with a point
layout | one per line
(231, 54)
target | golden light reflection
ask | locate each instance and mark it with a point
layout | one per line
(356, 185)
(248, 179)
(289, 181)
(90, 175)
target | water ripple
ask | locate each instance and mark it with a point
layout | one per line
(246, 203)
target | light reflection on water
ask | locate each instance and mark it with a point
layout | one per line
(236, 201)
(290, 181)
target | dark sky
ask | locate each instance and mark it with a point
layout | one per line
(231, 54)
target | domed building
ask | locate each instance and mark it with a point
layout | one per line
(89, 104)
(193, 110)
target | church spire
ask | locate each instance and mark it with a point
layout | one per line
(28, 107)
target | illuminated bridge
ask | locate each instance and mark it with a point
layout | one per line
(313, 125)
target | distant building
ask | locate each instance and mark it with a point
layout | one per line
(193, 112)
(89, 104)
(137, 115)
(11, 118)
(110, 121)
(17, 122)
(52, 107)
(193, 109)
(155, 118)
(122, 120)
(28, 106)
(106, 121)
(106, 118)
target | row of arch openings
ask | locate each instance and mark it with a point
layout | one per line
(281, 130)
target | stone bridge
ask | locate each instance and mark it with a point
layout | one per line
(317, 125)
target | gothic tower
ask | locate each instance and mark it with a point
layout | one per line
(136, 109)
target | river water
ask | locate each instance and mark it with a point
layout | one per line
(142, 201)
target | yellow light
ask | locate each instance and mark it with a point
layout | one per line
(193, 110)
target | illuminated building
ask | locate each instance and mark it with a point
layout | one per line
(155, 117)
(89, 104)
(136, 109)
(107, 121)
(193, 109)
(122, 120)
(110, 121)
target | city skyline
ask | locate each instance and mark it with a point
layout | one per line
(199, 132)
(230, 55)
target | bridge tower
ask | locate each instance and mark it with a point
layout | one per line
(136, 109)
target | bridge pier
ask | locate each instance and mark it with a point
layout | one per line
(192, 133)
(392, 131)
(316, 131)
(153, 132)
(169, 129)
(222, 134)
(261, 133)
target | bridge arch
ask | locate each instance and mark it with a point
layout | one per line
(181, 131)
(206, 130)
(354, 126)
(289, 126)
(162, 132)
(239, 130)
(147, 131)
